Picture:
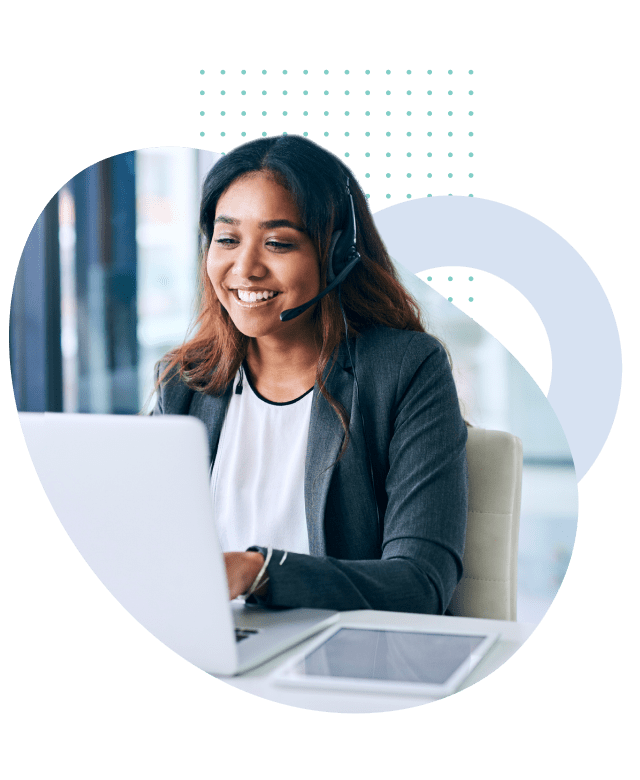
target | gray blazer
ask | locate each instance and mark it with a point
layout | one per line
(416, 440)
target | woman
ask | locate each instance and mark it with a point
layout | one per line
(344, 458)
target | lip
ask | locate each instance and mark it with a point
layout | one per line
(252, 289)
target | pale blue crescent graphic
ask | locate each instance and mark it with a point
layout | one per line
(585, 345)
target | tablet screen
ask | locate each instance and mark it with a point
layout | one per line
(399, 656)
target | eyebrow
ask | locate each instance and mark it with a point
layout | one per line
(268, 225)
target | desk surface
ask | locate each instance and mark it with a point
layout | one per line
(260, 681)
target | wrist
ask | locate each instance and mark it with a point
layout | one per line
(254, 562)
(256, 573)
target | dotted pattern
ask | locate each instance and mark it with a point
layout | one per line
(405, 133)
(439, 280)
(451, 278)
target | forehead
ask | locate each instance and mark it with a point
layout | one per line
(257, 196)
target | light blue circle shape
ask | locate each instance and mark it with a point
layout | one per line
(585, 345)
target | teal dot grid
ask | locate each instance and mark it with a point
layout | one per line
(342, 96)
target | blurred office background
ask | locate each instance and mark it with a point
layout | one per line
(107, 285)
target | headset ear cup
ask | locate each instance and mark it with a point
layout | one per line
(331, 269)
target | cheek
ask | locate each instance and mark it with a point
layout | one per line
(212, 272)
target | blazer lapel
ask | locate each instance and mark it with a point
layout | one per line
(211, 410)
(325, 439)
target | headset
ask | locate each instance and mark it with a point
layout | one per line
(343, 257)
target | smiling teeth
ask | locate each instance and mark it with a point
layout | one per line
(252, 297)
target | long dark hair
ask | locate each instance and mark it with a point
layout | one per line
(371, 294)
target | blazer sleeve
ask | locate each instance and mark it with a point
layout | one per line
(172, 395)
(425, 519)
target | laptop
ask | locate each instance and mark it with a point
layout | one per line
(133, 494)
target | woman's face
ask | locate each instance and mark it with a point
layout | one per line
(261, 261)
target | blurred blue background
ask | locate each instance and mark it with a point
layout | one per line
(107, 285)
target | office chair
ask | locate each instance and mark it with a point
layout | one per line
(488, 588)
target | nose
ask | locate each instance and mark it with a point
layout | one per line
(248, 262)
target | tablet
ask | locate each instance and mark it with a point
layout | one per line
(382, 660)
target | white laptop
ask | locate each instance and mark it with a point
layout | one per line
(133, 494)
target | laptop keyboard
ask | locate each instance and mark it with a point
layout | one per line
(243, 633)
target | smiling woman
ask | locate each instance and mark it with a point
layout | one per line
(358, 490)
(261, 262)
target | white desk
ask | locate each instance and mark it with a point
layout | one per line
(259, 681)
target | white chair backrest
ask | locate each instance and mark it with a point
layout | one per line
(488, 588)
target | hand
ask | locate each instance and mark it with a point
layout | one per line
(242, 569)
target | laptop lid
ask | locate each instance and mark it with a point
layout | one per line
(133, 495)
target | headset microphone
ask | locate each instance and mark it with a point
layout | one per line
(343, 256)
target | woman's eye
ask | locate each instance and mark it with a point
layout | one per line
(279, 245)
(224, 241)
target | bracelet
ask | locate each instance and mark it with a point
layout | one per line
(256, 583)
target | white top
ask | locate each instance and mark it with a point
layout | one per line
(257, 481)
